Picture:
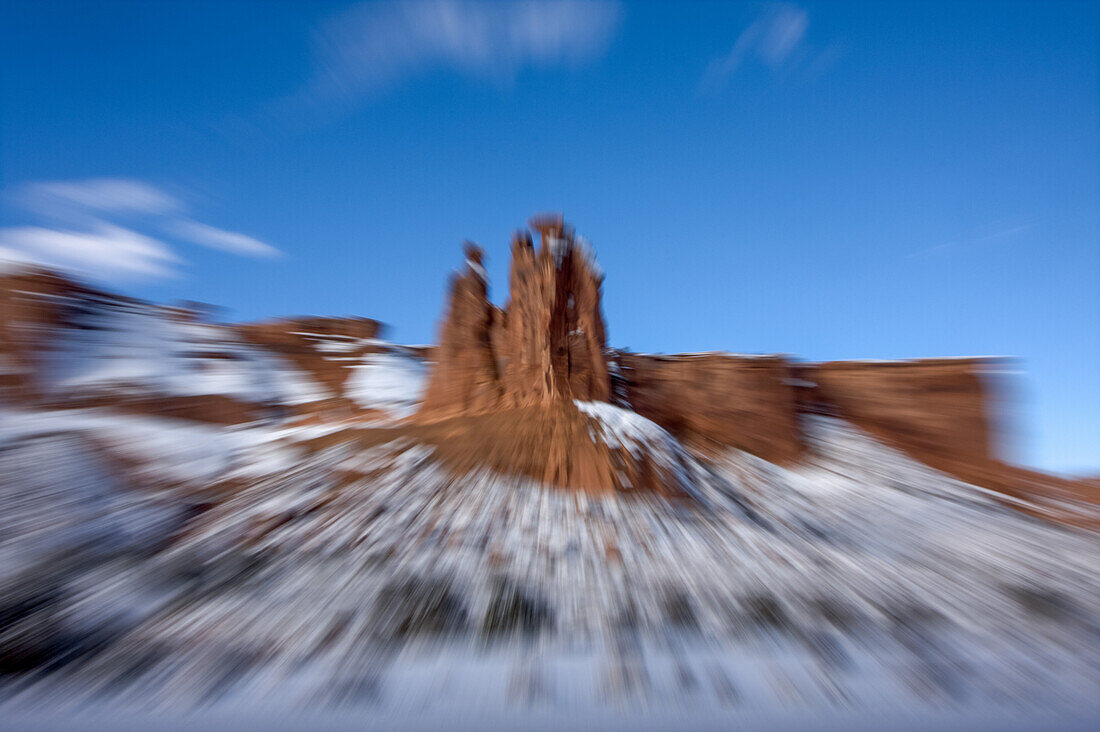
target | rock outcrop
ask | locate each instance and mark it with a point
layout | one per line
(943, 413)
(506, 381)
(65, 345)
(465, 379)
(713, 401)
(935, 409)
(546, 346)
(34, 306)
(555, 444)
(324, 348)
(551, 346)
(529, 388)
(940, 411)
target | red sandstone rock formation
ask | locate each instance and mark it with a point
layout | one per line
(552, 343)
(39, 308)
(546, 346)
(505, 379)
(714, 400)
(465, 379)
(551, 443)
(502, 389)
(301, 340)
(943, 413)
(939, 411)
(940, 407)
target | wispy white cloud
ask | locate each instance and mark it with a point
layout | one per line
(90, 226)
(105, 250)
(996, 234)
(776, 39)
(228, 241)
(101, 195)
(375, 45)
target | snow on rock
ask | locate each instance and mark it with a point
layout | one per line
(393, 381)
(620, 427)
(122, 346)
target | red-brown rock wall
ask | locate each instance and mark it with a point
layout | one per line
(714, 400)
(546, 346)
(33, 307)
(935, 409)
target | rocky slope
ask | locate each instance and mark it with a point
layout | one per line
(290, 568)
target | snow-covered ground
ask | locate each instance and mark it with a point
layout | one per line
(350, 577)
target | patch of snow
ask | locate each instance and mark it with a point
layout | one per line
(180, 450)
(392, 381)
(125, 346)
(558, 246)
(623, 427)
(618, 427)
(589, 253)
(336, 346)
(478, 270)
(858, 579)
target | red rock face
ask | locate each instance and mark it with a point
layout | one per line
(300, 340)
(502, 390)
(504, 380)
(713, 400)
(546, 346)
(938, 411)
(552, 444)
(931, 407)
(38, 307)
(553, 340)
(943, 413)
(32, 309)
(465, 379)
(296, 340)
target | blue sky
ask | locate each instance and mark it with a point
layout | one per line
(828, 180)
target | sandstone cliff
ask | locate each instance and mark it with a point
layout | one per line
(506, 381)
(324, 348)
(715, 400)
(935, 409)
(34, 305)
(66, 345)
